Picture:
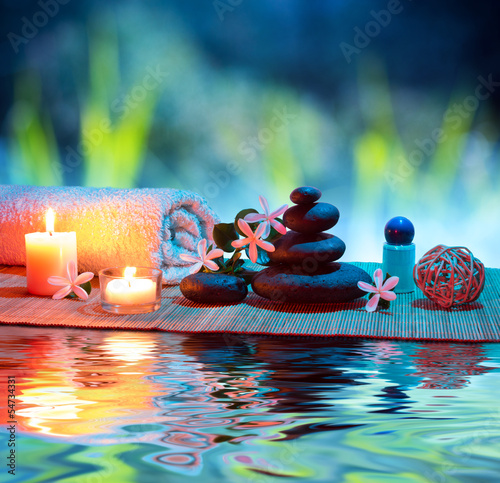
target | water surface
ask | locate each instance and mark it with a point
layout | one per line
(124, 406)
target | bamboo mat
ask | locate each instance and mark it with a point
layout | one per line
(411, 316)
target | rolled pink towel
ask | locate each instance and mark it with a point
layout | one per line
(114, 227)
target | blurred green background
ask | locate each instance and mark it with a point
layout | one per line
(389, 107)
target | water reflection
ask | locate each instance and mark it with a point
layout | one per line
(194, 401)
(450, 365)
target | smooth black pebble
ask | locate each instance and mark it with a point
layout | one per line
(311, 218)
(332, 283)
(211, 288)
(305, 195)
(307, 249)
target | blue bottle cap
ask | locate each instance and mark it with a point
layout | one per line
(399, 231)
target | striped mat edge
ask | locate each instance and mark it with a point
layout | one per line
(410, 317)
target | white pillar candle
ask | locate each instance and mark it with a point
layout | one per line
(48, 254)
(129, 290)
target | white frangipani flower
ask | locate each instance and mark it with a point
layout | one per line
(267, 219)
(72, 283)
(203, 259)
(381, 291)
(253, 240)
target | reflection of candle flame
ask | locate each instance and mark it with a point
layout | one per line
(49, 220)
(74, 400)
(50, 407)
(125, 348)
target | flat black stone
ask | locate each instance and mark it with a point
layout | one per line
(331, 283)
(307, 249)
(305, 195)
(210, 288)
(311, 218)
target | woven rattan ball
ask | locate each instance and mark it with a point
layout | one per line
(449, 276)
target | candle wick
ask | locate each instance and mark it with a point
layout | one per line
(129, 284)
(50, 233)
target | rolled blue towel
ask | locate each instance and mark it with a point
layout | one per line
(114, 227)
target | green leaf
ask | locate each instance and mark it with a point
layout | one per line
(384, 304)
(246, 275)
(87, 287)
(224, 234)
(242, 215)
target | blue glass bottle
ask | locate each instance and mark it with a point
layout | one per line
(399, 253)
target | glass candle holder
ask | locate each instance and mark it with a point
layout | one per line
(130, 290)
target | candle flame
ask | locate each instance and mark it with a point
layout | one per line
(129, 273)
(49, 220)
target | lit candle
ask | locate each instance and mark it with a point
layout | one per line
(130, 290)
(48, 254)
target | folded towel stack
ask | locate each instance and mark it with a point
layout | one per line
(114, 227)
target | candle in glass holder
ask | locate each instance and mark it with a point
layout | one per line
(48, 254)
(130, 290)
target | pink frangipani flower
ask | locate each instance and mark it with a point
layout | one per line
(253, 240)
(380, 291)
(72, 283)
(268, 219)
(204, 259)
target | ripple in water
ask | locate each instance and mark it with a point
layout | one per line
(141, 406)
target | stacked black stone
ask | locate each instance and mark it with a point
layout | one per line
(307, 271)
